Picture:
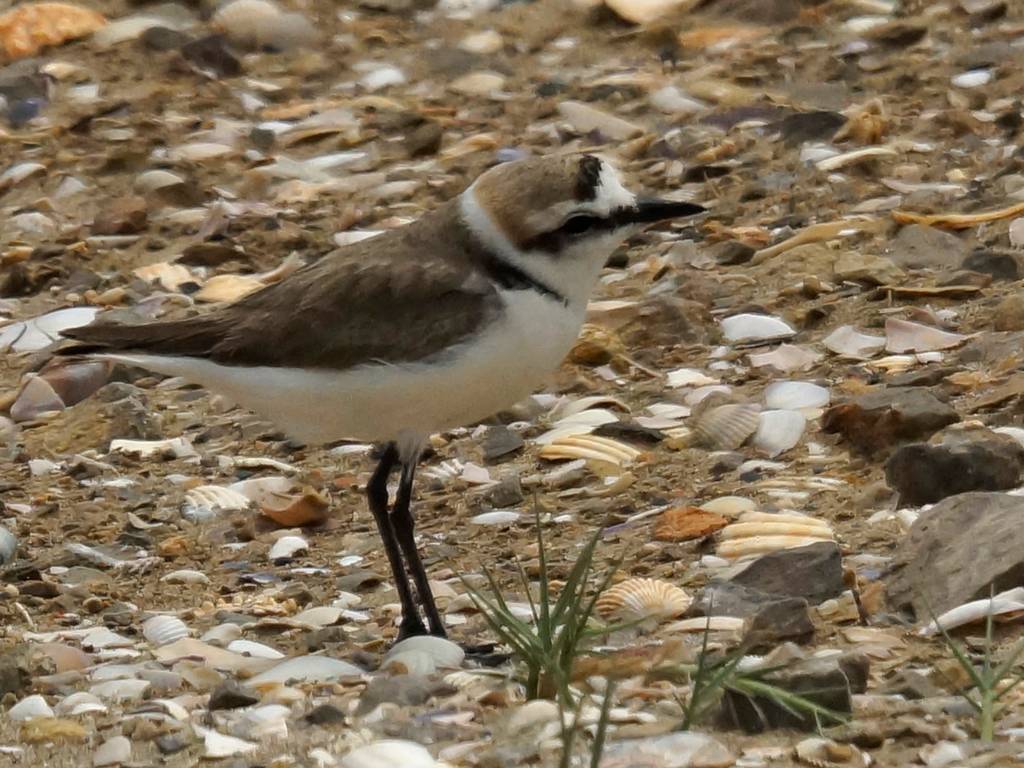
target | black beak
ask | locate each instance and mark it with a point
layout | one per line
(649, 210)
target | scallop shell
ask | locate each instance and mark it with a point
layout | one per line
(635, 599)
(686, 523)
(164, 630)
(793, 519)
(591, 448)
(759, 545)
(824, 753)
(27, 29)
(207, 501)
(746, 530)
(727, 427)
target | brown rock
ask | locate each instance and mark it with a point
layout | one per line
(876, 422)
(122, 216)
(1009, 314)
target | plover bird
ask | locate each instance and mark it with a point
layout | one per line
(431, 326)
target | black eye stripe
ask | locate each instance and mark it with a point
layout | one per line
(576, 226)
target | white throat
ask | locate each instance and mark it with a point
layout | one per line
(571, 273)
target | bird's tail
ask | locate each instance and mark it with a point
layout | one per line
(193, 337)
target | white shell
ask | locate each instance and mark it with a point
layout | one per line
(222, 634)
(38, 332)
(310, 669)
(29, 707)
(79, 703)
(16, 174)
(749, 328)
(389, 753)
(706, 623)
(972, 79)
(178, 447)
(496, 517)
(163, 630)
(254, 649)
(778, 431)
(786, 358)
(847, 341)
(646, 11)
(1009, 602)
(795, 395)
(198, 151)
(269, 721)
(905, 336)
(185, 576)
(287, 547)
(444, 652)
(264, 491)
(410, 663)
(150, 181)
(218, 745)
(120, 690)
(8, 545)
(113, 751)
(321, 616)
(730, 506)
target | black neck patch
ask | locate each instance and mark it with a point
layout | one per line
(588, 178)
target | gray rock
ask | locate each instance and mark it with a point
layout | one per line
(500, 442)
(1008, 314)
(508, 492)
(404, 690)
(1000, 265)
(731, 252)
(920, 247)
(875, 422)
(959, 550)
(14, 674)
(960, 461)
(829, 682)
(773, 618)
(231, 695)
(814, 573)
(324, 715)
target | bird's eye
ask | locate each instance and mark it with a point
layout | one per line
(578, 225)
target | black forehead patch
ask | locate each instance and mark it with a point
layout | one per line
(588, 178)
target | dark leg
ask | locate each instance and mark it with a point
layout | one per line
(377, 497)
(403, 524)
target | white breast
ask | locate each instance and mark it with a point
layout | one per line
(382, 402)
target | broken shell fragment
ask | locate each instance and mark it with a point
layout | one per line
(825, 753)
(778, 431)
(1004, 606)
(847, 341)
(795, 396)
(308, 509)
(686, 523)
(752, 329)
(287, 547)
(27, 29)
(641, 599)
(905, 336)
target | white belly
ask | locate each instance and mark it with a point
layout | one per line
(383, 402)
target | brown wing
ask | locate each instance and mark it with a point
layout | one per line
(352, 307)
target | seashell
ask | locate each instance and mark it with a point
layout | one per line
(785, 358)
(1009, 605)
(444, 652)
(169, 276)
(727, 427)
(730, 506)
(321, 616)
(185, 576)
(486, 42)
(778, 431)
(269, 721)
(163, 630)
(262, 24)
(743, 530)
(126, 29)
(16, 174)
(634, 599)
(591, 448)
(222, 634)
(753, 328)
(647, 11)
(387, 753)
(824, 753)
(32, 223)
(478, 83)
(307, 669)
(265, 491)
(27, 29)
(74, 381)
(795, 395)
(114, 751)
(253, 649)
(410, 663)
(218, 745)
(853, 157)
(228, 288)
(668, 751)
(174, 447)
(380, 78)
(585, 118)
(947, 753)
(973, 78)
(28, 708)
(689, 377)
(199, 151)
(41, 331)
(286, 547)
(686, 523)
(847, 341)
(503, 517)
(308, 509)
(791, 519)
(151, 181)
(35, 400)
(706, 623)
(758, 545)
(905, 336)
(120, 690)
(700, 394)
(79, 703)
(207, 501)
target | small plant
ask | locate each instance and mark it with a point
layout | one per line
(992, 682)
(560, 629)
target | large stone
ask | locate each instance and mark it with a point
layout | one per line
(957, 462)
(920, 247)
(829, 682)
(1008, 314)
(814, 573)
(773, 618)
(958, 551)
(875, 422)
(999, 265)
